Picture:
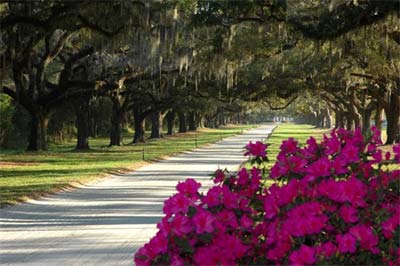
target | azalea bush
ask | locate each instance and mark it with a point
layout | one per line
(332, 203)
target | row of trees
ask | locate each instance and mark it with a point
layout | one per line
(199, 62)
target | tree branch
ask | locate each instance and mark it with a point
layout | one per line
(86, 23)
(281, 107)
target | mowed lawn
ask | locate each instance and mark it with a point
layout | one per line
(26, 175)
(287, 130)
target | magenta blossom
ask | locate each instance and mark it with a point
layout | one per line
(256, 149)
(219, 176)
(320, 168)
(364, 234)
(304, 256)
(289, 146)
(327, 249)
(376, 135)
(203, 221)
(347, 243)
(350, 153)
(348, 214)
(178, 203)
(180, 225)
(332, 145)
(188, 187)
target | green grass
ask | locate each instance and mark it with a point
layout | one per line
(26, 175)
(284, 131)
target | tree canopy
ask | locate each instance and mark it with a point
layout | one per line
(203, 61)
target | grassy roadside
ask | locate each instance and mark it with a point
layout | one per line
(25, 175)
(284, 131)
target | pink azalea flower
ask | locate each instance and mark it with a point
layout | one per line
(280, 168)
(347, 243)
(226, 219)
(389, 226)
(332, 145)
(243, 177)
(289, 192)
(377, 156)
(180, 225)
(352, 190)
(270, 207)
(246, 222)
(371, 148)
(348, 214)
(279, 250)
(176, 260)
(289, 146)
(316, 224)
(312, 148)
(376, 135)
(145, 255)
(355, 191)
(320, 168)
(339, 165)
(367, 238)
(256, 149)
(230, 199)
(219, 176)
(296, 164)
(350, 153)
(213, 197)
(178, 203)
(164, 226)
(232, 245)
(327, 249)
(189, 187)
(203, 222)
(159, 243)
(304, 256)
(206, 256)
(255, 180)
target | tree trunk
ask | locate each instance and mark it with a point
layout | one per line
(393, 119)
(199, 120)
(339, 123)
(116, 121)
(349, 121)
(378, 115)
(192, 121)
(320, 119)
(38, 132)
(171, 122)
(367, 120)
(82, 124)
(139, 131)
(328, 118)
(156, 125)
(182, 122)
(357, 117)
(220, 119)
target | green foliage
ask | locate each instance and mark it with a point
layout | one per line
(6, 114)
